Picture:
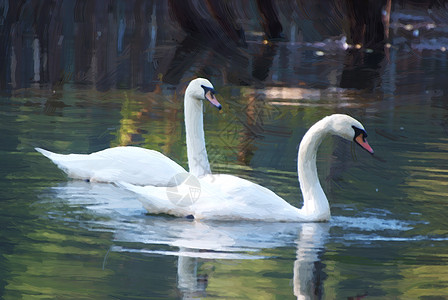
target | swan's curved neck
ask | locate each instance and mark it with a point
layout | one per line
(315, 203)
(194, 126)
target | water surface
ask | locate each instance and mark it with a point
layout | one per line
(387, 238)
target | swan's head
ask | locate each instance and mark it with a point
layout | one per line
(350, 129)
(202, 89)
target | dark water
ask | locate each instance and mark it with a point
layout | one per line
(387, 238)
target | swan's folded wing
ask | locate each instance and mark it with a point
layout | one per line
(245, 200)
(240, 189)
(128, 164)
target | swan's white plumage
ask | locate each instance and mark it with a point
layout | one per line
(198, 164)
(142, 166)
(130, 164)
(227, 197)
(239, 199)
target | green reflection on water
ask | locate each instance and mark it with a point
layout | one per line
(47, 256)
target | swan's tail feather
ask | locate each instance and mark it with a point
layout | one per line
(45, 153)
(62, 161)
(155, 199)
(56, 158)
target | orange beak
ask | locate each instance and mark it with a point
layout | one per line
(360, 140)
(212, 99)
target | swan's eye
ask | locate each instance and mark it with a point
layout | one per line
(208, 89)
(209, 94)
(358, 132)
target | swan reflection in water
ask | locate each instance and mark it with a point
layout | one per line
(307, 283)
(310, 245)
(194, 241)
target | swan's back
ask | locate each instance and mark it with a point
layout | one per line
(133, 165)
(240, 199)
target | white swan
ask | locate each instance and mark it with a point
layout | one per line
(142, 166)
(226, 197)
